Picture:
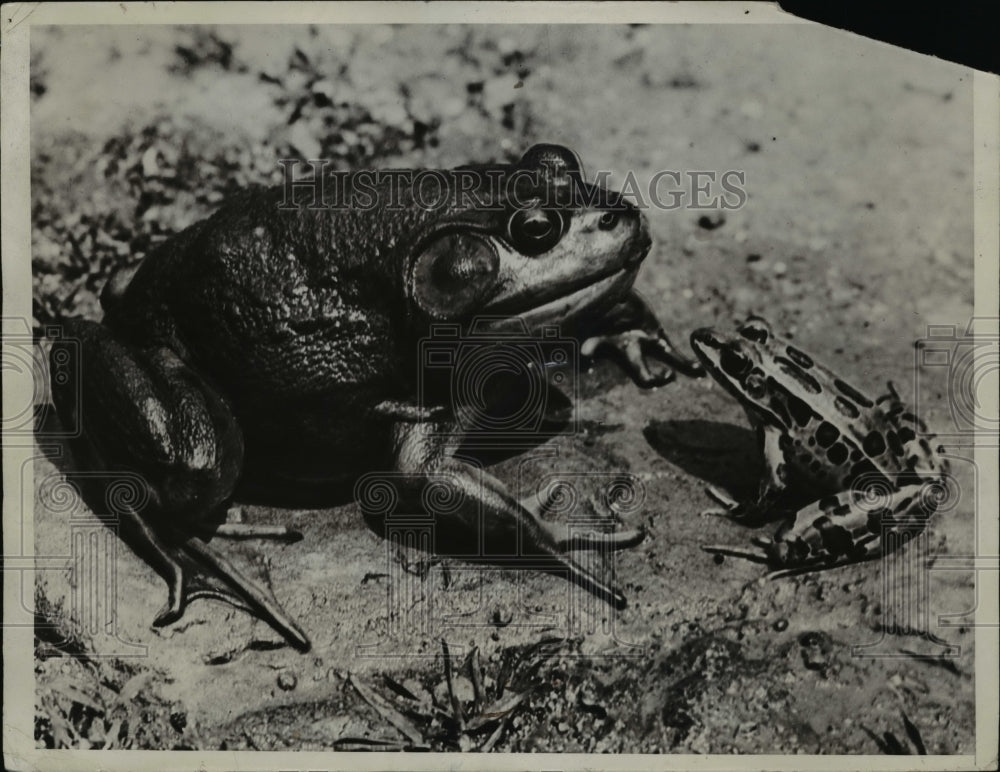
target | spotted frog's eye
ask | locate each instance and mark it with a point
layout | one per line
(533, 231)
(608, 220)
(733, 363)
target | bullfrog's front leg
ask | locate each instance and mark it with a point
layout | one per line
(632, 334)
(483, 521)
(146, 412)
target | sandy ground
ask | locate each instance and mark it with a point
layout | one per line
(856, 235)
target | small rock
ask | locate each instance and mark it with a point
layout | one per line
(711, 222)
(178, 720)
(780, 625)
(287, 681)
(816, 648)
(780, 269)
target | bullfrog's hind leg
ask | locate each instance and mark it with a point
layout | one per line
(146, 413)
(183, 566)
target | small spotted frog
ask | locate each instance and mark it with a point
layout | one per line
(858, 476)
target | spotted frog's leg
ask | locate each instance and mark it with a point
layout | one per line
(477, 519)
(147, 412)
(632, 334)
(773, 486)
(849, 527)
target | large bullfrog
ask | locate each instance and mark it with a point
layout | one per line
(280, 339)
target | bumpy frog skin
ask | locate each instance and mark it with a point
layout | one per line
(281, 344)
(865, 465)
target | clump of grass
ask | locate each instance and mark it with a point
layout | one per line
(87, 701)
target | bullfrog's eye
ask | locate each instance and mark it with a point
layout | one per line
(533, 231)
(608, 220)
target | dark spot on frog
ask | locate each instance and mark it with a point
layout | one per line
(827, 434)
(805, 380)
(828, 503)
(754, 331)
(800, 358)
(812, 441)
(800, 411)
(841, 510)
(895, 445)
(906, 434)
(848, 409)
(849, 391)
(864, 467)
(856, 455)
(836, 539)
(779, 409)
(874, 444)
(876, 518)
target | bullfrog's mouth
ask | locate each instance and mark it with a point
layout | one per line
(589, 295)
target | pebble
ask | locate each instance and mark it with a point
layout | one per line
(287, 681)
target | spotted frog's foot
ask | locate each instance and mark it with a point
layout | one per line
(757, 556)
(731, 508)
(195, 570)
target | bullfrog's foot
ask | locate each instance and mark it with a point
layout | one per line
(253, 531)
(641, 352)
(601, 541)
(194, 570)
